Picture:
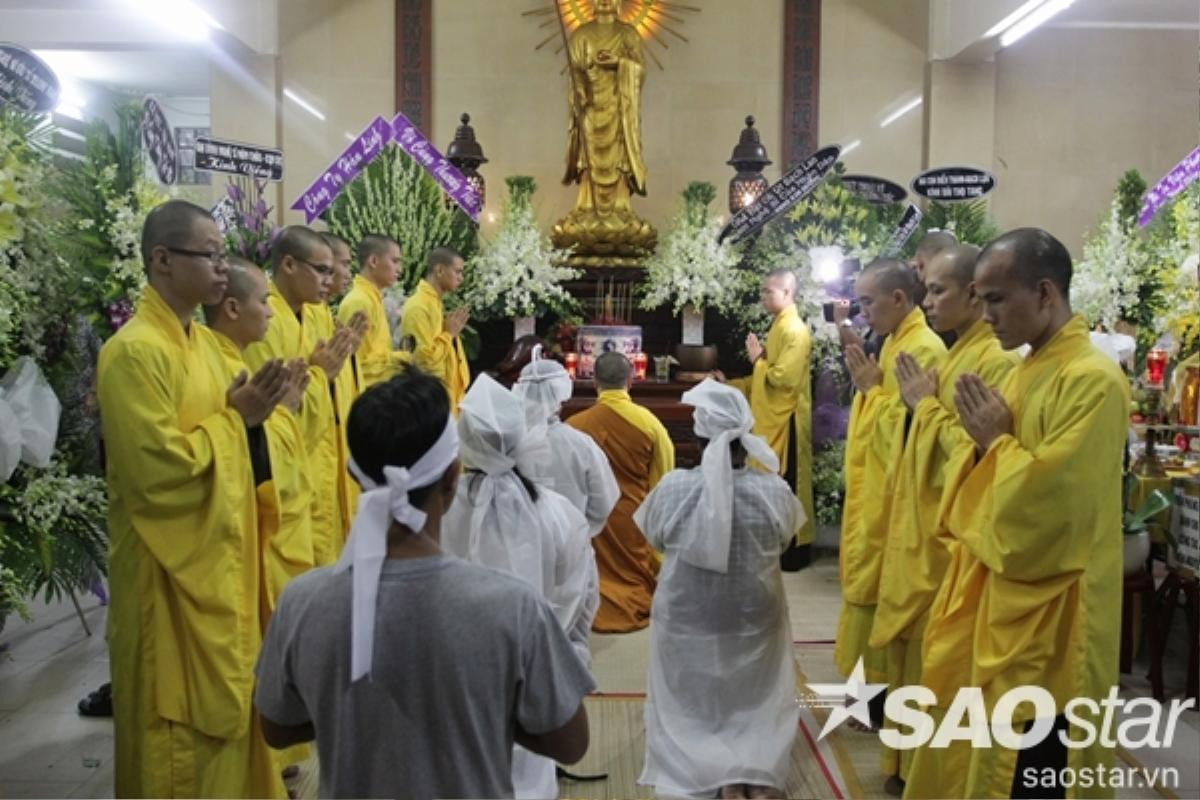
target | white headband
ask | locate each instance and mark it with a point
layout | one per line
(366, 548)
(721, 415)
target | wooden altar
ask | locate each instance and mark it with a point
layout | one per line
(662, 400)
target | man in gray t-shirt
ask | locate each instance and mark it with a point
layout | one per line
(463, 661)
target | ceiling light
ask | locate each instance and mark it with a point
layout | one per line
(290, 95)
(852, 146)
(72, 100)
(1012, 19)
(898, 113)
(1030, 22)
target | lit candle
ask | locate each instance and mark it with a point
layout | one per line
(639, 365)
(1156, 365)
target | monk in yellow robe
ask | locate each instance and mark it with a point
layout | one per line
(283, 493)
(640, 452)
(439, 350)
(781, 399)
(1031, 594)
(301, 271)
(937, 456)
(349, 383)
(379, 260)
(285, 497)
(874, 441)
(184, 626)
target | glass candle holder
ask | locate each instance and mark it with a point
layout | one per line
(639, 366)
(1156, 365)
(571, 362)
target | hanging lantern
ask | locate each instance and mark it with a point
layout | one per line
(749, 157)
(466, 154)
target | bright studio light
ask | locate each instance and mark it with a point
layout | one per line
(1034, 19)
(900, 112)
(295, 98)
(72, 100)
(826, 263)
(183, 18)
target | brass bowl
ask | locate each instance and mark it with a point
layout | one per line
(696, 357)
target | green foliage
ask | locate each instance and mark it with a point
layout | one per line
(828, 482)
(52, 527)
(106, 197)
(697, 196)
(1130, 189)
(829, 217)
(520, 190)
(970, 223)
(396, 197)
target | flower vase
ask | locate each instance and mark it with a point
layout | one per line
(693, 325)
(523, 326)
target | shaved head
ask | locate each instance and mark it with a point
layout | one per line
(374, 244)
(891, 275)
(296, 241)
(170, 225)
(1036, 256)
(935, 242)
(334, 241)
(612, 371)
(784, 278)
(778, 290)
(244, 277)
(958, 263)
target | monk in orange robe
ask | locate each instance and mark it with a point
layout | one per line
(640, 453)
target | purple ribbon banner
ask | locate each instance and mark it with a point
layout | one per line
(1172, 184)
(453, 183)
(321, 193)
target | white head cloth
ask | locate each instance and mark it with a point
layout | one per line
(366, 548)
(495, 440)
(721, 416)
(544, 386)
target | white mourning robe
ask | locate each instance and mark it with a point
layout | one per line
(721, 706)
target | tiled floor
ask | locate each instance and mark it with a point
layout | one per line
(47, 665)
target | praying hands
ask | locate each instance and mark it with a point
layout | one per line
(982, 409)
(915, 383)
(864, 371)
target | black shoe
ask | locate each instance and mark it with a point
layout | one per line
(98, 703)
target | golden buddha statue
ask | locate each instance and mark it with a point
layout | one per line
(604, 144)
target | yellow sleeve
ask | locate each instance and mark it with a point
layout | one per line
(1013, 511)
(186, 497)
(175, 469)
(352, 304)
(786, 370)
(435, 347)
(284, 504)
(664, 454)
(316, 410)
(377, 361)
(742, 384)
